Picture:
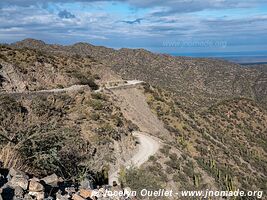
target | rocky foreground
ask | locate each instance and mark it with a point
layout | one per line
(17, 185)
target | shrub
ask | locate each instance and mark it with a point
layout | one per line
(84, 80)
(174, 164)
(165, 150)
(140, 179)
(152, 158)
(99, 96)
(95, 116)
(96, 76)
(96, 104)
(10, 158)
(176, 178)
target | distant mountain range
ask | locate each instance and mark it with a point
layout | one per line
(241, 58)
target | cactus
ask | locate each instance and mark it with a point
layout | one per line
(218, 174)
(212, 163)
(196, 180)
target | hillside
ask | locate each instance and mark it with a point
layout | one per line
(199, 82)
(209, 116)
(29, 69)
(65, 132)
(227, 141)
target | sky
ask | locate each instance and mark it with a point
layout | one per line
(170, 26)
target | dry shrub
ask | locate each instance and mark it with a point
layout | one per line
(10, 158)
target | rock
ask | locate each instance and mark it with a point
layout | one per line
(18, 192)
(18, 178)
(86, 183)
(85, 193)
(127, 190)
(35, 179)
(27, 197)
(52, 180)
(70, 190)
(77, 197)
(49, 198)
(62, 197)
(37, 195)
(19, 181)
(16, 173)
(35, 186)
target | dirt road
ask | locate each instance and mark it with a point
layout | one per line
(147, 147)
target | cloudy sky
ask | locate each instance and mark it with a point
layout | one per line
(168, 26)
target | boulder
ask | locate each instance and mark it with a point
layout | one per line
(18, 192)
(37, 195)
(77, 197)
(70, 190)
(62, 197)
(35, 179)
(52, 180)
(85, 193)
(35, 186)
(86, 183)
(17, 173)
(27, 197)
(19, 181)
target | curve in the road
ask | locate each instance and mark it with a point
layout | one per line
(147, 147)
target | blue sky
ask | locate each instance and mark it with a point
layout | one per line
(170, 26)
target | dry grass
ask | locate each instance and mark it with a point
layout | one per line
(10, 158)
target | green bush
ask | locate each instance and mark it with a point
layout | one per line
(95, 116)
(140, 179)
(99, 96)
(165, 150)
(96, 104)
(84, 80)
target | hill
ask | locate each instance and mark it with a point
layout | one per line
(209, 115)
(227, 141)
(63, 132)
(199, 82)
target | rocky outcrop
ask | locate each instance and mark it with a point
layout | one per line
(17, 185)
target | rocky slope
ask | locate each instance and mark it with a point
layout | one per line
(31, 70)
(227, 141)
(15, 184)
(66, 133)
(209, 114)
(199, 82)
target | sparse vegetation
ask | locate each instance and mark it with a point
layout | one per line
(216, 137)
(221, 132)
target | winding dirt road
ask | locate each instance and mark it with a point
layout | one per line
(147, 147)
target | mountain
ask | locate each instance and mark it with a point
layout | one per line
(51, 130)
(199, 81)
(227, 140)
(69, 110)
